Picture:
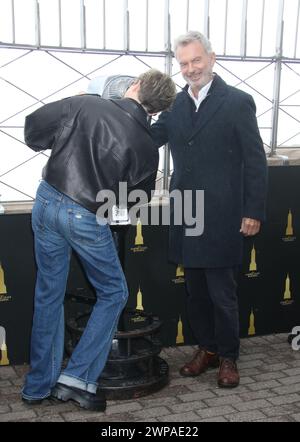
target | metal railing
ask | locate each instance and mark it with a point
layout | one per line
(206, 10)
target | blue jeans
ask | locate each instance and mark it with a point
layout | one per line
(60, 225)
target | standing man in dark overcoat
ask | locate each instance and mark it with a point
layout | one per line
(216, 147)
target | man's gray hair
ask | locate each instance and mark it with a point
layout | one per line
(190, 37)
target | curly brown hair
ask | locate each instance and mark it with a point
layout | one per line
(157, 91)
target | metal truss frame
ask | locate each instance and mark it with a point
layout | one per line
(278, 61)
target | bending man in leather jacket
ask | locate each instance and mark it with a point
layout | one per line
(95, 144)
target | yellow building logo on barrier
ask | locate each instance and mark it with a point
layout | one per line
(139, 239)
(179, 279)
(179, 337)
(3, 347)
(139, 300)
(251, 329)
(287, 295)
(139, 317)
(3, 290)
(253, 273)
(289, 231)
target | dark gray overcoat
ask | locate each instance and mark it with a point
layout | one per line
(221, 152)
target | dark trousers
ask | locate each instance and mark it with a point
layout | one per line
(212, 308)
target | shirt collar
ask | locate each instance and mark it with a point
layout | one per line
(201, 95)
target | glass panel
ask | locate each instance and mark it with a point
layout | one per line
(292, 100)
(12, 152)
(217, 24)
(8, 193)
(12, 100)
(254, 17)
(234, 23)
(262, 104)
(49, 19)
(6, 21)
(19, 118)
(84, 64)
(259, 86)
(153, 62)
(115, 24)
(226, 70)
(270, 28)
(75, 88)
(25, 21)
(70, 19)
(127, 65)
(94, 23)
(156, 25)
(289, 116)
(176, 74)
(290, 22)
(26, 177)
(298, 41)
(263, 83)
(290, 80)
(178, 12)
(9, 55)
(137, 24)
(290, 73)
(196, 16)
(289, 127)
(265, 121)
(14, 133)
(39, 74)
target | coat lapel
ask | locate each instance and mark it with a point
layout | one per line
(215, 99)
(184, 118)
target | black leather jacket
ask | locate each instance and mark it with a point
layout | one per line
(95, 144)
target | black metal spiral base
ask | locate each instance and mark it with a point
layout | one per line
(133, 368)
(135, 382)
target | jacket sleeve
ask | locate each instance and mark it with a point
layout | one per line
(159, 130)
(43, 126)
(147, 185)
(254, 160)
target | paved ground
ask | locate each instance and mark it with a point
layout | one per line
(269, 391)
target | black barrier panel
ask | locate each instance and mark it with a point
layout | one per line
(269, 281)
(17, 280)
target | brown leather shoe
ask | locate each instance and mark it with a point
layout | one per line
(200, 363)
(228, 376)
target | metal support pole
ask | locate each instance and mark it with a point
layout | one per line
(277, 83)
(126, 25)
(13, 25)
(187, 15)
(168, 70)
(168, 50)
(104, 22)
(297, 27)
(262, 27)
(82, 25)
(147, 26)
(206, 19)
(59, 23)
(243, 50)
(225, 27)
(37, 25)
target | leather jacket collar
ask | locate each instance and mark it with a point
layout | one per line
(134, 110)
